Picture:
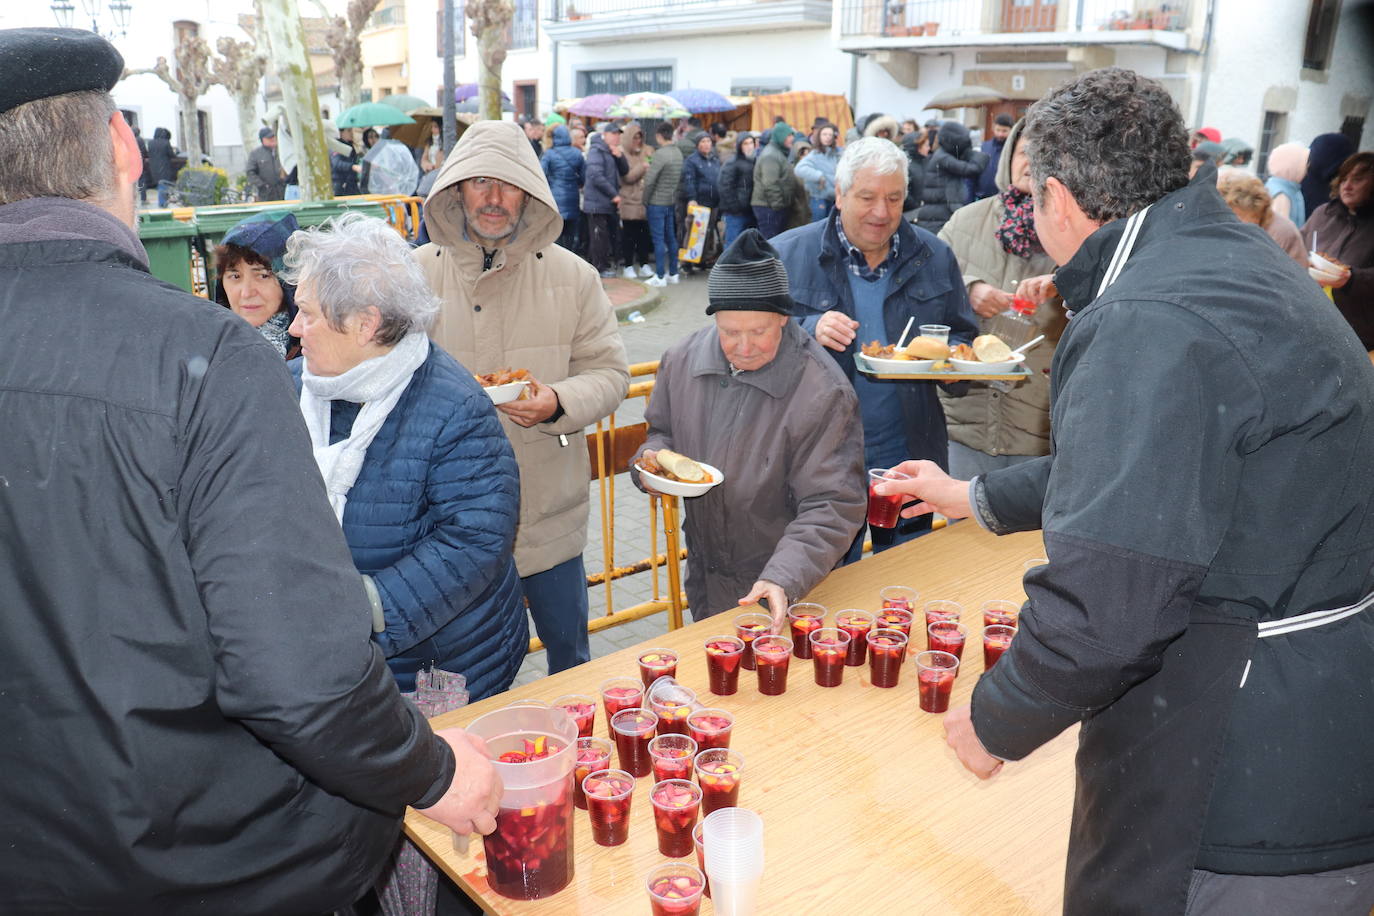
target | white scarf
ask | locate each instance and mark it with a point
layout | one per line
(377, 384)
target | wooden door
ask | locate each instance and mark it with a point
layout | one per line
(1029, 15)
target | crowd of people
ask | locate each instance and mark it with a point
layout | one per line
(285, 508)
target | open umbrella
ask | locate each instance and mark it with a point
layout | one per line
(472, 106)
(648, 105)
(969, 96)
(594, 106)
(374, 114)
(699, 101)
(469, 91)
(406, 103)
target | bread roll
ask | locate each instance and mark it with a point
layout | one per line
(991, 349)
(927, 348)
(684, 468)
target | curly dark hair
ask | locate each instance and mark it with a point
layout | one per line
(1115, 139)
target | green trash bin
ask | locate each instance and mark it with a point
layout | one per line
(169, 243)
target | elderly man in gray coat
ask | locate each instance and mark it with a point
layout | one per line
(758, 398)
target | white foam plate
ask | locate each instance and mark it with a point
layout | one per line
(677, 487)
(897, 366)
(501, 394)
(981, 368)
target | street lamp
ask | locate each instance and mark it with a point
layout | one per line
(120, 11)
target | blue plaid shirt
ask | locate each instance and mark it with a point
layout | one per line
(858, 264)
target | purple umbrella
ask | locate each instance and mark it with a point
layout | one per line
(594, 106)
(698, 101)
(469, 90)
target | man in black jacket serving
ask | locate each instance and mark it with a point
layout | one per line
(195, 718)
(1209, 522)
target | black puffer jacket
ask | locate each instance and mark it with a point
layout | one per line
(737, 181)
(954, 161)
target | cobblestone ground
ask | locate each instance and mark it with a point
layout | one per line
(681, 311)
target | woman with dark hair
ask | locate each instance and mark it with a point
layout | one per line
(370, 138)
(1324, 157)
(247, 264)
(1342, 231)
(817, 171)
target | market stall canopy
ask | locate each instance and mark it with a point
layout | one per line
(800, 109)
(593, 106)
(374, 114)
(700, 101)
(406, 103)
(648, 105)
(968, 96)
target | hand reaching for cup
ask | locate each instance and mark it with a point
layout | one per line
(930, 489)
(1037, 289)
(777, 601)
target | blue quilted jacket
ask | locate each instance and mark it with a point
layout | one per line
(431, 518)
(566, 171)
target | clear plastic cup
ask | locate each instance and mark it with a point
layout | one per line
(672, 703)
(938, 332)
(996, 640)
(857, 624)
(701, 853)
(673, 757)
(935, 673)
(620, 693)
(634, 728)
(676, 803)
(802, 618)
(886, 653)
(581, 709)
(675, 889)
(829, 646)
(749, 627)
(719, 771)
(609, 794)
(942, 610)
(733, 846)
(724, 654)
(773, 654)
(884, 511)
(655, 663)
(894, 618)
(592, 754)
(899, 596)
(711, 728)
(947, 636)
(1003, 613)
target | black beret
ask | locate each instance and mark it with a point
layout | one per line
(41, 63)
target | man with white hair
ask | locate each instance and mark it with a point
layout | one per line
(859, 276)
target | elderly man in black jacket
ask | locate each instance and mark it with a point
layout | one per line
(195, 718)
(1207, 514)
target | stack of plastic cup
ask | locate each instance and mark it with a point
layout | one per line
(733, 841)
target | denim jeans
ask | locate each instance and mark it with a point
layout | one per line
(664, 234)
(820, 208)
(771, 222)
(558, 604)
(735, 223)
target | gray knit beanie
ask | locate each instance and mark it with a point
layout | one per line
(748, 277)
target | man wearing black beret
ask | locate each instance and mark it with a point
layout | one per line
(757, 397)
(193, 719)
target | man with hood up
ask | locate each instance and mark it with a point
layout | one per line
(946, 189)
(774, 182)
(512, 298)
(565, 170)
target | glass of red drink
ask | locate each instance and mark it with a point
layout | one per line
(609, 793)
(749, 627)
(676, 805)
(718, 773)
(675, 889)
(1001, 613)
(899, 596)
(947, 636)
(942, 610)
(655, 663)
(773, 654)
(886, 652)
(723, 657)
(592, 754)
(857, 624)
(935, 673)
(894, 618)
(634, 729)
(829, 646)
(884, 511)
(996, 640)
(581, 709)
(620, 693)
(803, 618)
(672, 757)
(699, 842)
(672, 704)
(711, 727)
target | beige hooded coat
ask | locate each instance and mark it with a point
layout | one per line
(533, 306)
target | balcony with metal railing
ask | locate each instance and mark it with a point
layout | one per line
(606, 20)
(916, 24)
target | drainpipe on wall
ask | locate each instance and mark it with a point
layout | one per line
(554, 86)
(853, 81)
(1201, 109)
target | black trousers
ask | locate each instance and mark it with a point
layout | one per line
(599, 232)
(636, 245)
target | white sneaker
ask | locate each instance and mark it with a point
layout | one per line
(630, 273)
(655, 281)
(674, 278)
(645, 270)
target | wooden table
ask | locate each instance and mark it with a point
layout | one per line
(865, 808)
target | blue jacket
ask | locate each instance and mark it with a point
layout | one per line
(926, 283)
(604, 169)
(565, 169)
(431, 518)
(985, 185)
(701, 178)
(819, 164)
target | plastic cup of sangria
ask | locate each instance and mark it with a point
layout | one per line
(802, 618)
(829, 646)
(672, 703)
(609, 793)
(698, 840)
(1001, 613)
(894, 618)
(723, 657)
(886, 654)
(634, 729)
(592, 754)
(711, 728)
(935, 673)
(675, 889)
(947, 636)
(773, 654)
(942, 610)
(857, 624)
(672, 757)
(620, 693)
(677, 802)
(884, 511)
(1033, 562)
(996, 640)
(581, 709)
(749, 627)
(655, 663)
(718, 773)
(899, 596)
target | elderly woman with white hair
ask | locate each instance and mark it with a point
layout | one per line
(417, 467)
